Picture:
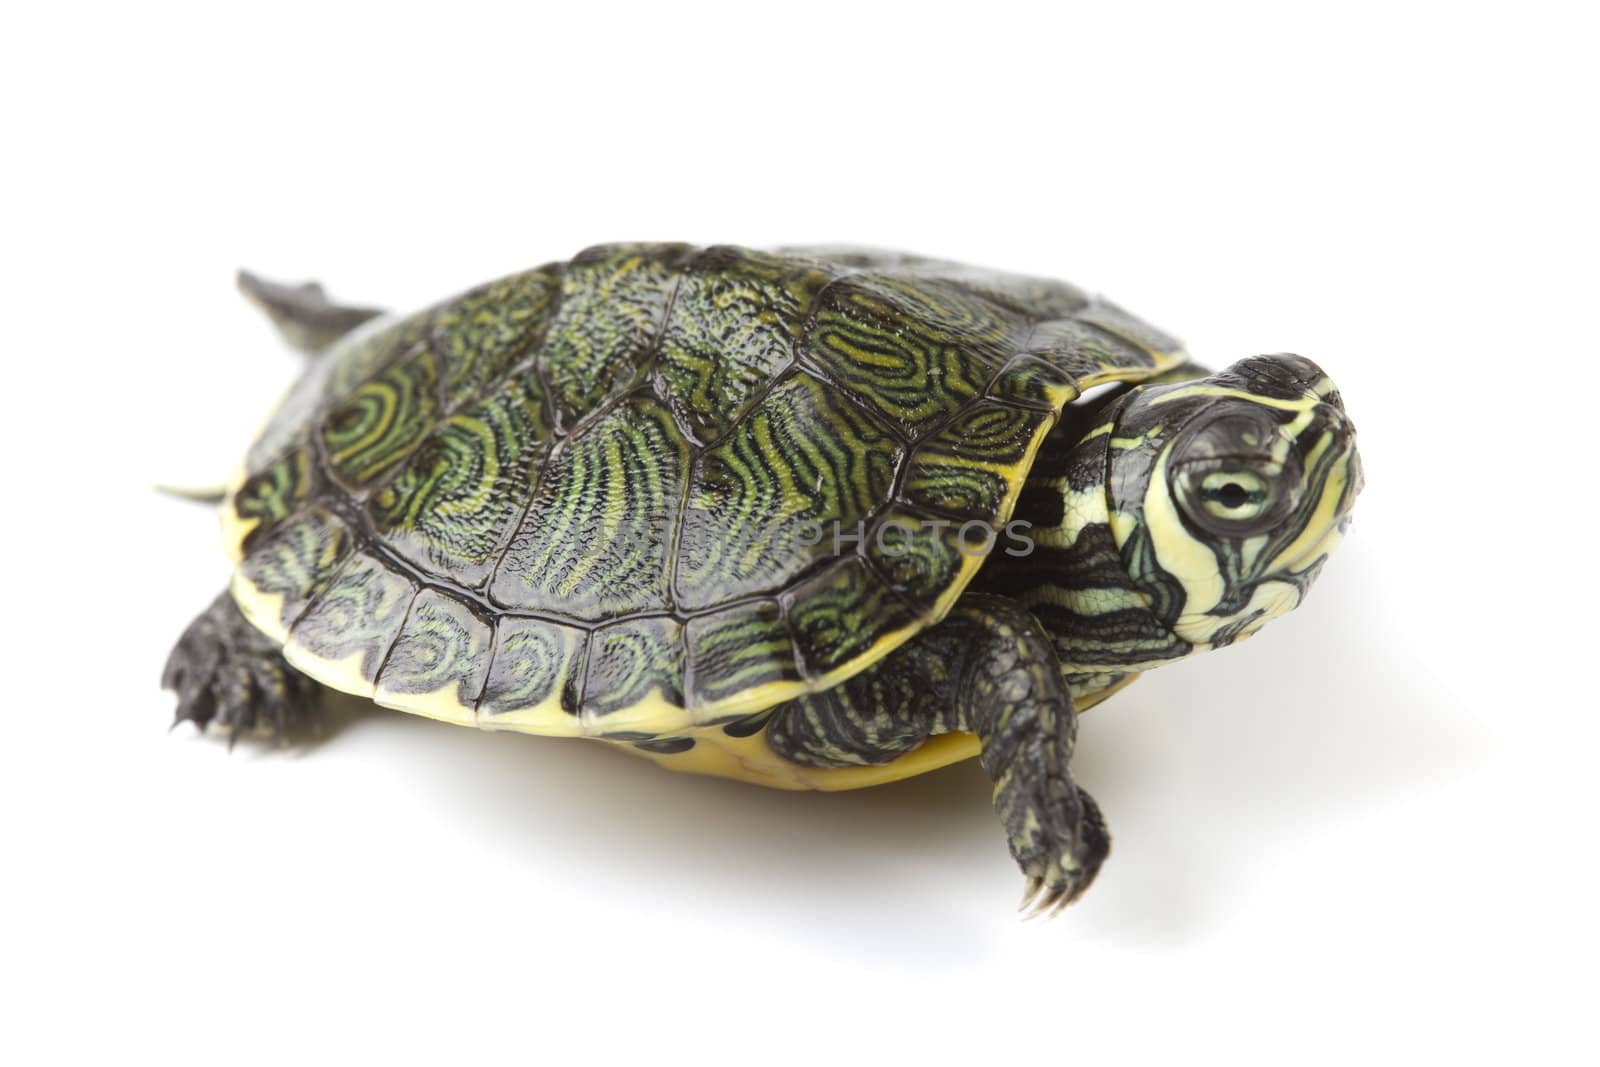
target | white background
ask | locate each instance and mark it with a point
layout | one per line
(1366, 836)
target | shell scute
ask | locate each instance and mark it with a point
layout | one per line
(970, 467)
(286, 569)
(766, 503)
(840, 614)
(737, 321)
(487, 331)
(276, 490)
(614, 300)
(535, 677)
(915, 353)
(364, 435)
(440, 659)
(456, 499)
(918, 553)
(347, 628)
(736, 651)
(635, 664)
(596, 537)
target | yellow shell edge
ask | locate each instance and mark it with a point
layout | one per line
(751, 759)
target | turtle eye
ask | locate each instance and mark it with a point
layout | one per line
(1232, 498)
(1232, 473)
(1235, 496)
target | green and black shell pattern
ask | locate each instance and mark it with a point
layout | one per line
(656, 487)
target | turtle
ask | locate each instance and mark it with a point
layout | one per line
(811, 518)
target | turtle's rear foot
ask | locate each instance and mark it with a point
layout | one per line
(231, 678)
(303, 314)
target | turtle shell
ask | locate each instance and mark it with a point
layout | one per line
(656, 487)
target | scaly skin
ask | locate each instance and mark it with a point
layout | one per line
(233, 679)
(987, 669)
(303, 313)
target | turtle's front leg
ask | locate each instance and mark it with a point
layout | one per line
(232, 678)
(987, 669)
(1016, 700)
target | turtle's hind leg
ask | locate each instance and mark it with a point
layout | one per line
(303, 314)
(231, 678)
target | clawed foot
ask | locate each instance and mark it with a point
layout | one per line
(1059, 851)
(232, 679)
(303, 314)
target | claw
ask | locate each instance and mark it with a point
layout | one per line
(1046, 900)
(1056, 904)
(1046, 905)
(233, 682)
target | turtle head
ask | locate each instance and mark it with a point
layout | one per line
(1227, 494)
